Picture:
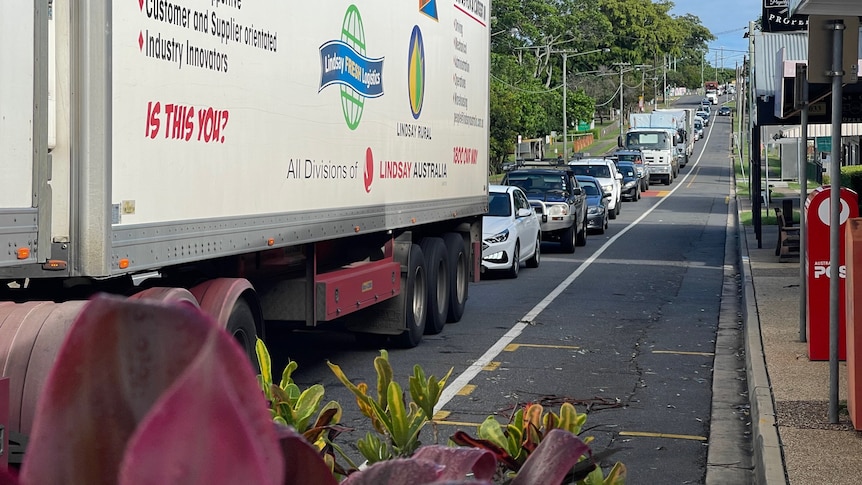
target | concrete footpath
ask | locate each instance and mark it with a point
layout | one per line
(793, 440)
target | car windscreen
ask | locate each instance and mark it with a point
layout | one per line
(498, 205)
(598, 171)
(539, 183)
(590, 188)
(648, 141)
(627, 170)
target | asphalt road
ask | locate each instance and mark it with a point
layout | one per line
(625, 329)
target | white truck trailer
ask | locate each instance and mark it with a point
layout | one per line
(658, 144)
(683, 119)
(265, 161)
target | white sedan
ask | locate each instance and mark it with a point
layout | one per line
(511, 232)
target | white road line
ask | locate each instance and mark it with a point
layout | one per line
(473, 370)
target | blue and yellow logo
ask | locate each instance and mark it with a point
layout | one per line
(416, 72)
(344, 62)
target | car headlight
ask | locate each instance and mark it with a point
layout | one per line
(595, 210)
(498, 238)
(630, 184)
(609, 189)
(558, 210)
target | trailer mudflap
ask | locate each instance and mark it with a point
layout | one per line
(356, 287)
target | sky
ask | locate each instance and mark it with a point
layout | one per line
(726, 19)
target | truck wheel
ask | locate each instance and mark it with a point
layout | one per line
(459, 275)
(241, 326)
(667, 180)
(567, 240)
(437, 267)
(415, 296)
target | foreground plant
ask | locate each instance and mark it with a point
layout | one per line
(293, 407)
(146, 393)
(398, 422)
(514, 443)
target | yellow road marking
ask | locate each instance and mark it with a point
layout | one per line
(466, 390)
(492, 366)
(514, 347)
(680, 352)
(457, 423)
(693, 176)
(440, 415)
(644, 434)
(662, 193)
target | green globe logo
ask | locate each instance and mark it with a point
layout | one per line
(416, 72)
(353, 34)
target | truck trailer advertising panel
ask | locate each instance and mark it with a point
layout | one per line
(295, 107)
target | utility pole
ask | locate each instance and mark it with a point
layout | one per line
(566, 88)
(621, 65)
(702, 56)
(664, 69)
(565, 108)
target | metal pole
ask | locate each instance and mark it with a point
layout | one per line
(565, 122)
(664, 69)
(803, 195)
(837, 74)
(621, 99)
(756, 205)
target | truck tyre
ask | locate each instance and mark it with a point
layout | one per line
(567, 240)
(437, 268)
(667, 179)
(415, 300)
(241, 326)
(459, 275)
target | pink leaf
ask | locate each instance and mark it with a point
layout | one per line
(555, 456)
(165, 367)
(302, 462)
(402, 471)
(460, 461)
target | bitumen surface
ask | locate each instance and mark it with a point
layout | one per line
(793, 438)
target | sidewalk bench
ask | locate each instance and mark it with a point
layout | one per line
(788, 238)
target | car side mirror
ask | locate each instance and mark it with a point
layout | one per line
(619, 176)
(524, 212)
(576, 191)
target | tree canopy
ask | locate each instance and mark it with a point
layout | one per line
(599, 41)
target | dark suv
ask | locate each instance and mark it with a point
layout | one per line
(558, 199)
(637, 158)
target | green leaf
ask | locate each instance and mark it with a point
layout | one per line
(265, 364)
(384, 375)
(570, 420)
(306, 406)
(491, 430)
(373, 449)
(617, 475)
(287, 372)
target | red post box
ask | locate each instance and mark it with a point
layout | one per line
(853, 297)
(817, 213)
